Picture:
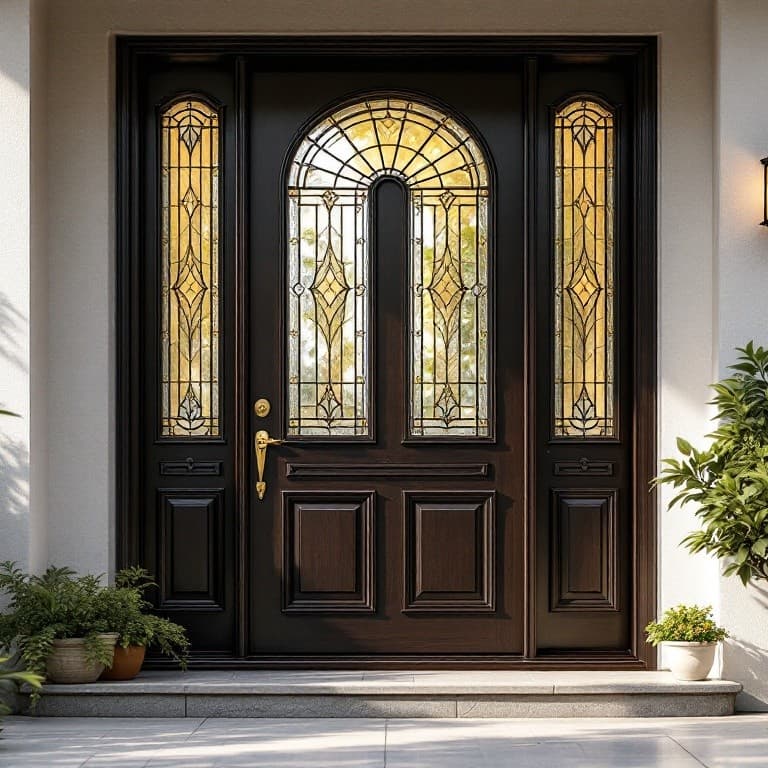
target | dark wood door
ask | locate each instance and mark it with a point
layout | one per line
(438, 271)
(393, 517)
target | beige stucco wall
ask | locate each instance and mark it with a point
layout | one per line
(703, 310)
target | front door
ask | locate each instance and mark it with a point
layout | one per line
(387, 333)
(384, 352)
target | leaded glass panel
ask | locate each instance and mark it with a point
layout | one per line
(189, 335)
(584, 341)
(328, 285)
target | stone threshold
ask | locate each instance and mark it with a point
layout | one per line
(440, 694)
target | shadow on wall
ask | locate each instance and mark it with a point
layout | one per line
(747, 662)
(13, 326)
(14, 499)
(14, 455)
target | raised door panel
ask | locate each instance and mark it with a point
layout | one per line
(328, 560)
(191, 566)
(449, 551)
(585, 553)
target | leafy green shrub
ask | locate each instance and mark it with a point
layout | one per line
(686, 623)
(54, 606)
(728, 482)
(127, 613)
(59, 605)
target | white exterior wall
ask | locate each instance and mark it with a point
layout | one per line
(23, 492)
(742, 278)
(14, 286)
(77, 212)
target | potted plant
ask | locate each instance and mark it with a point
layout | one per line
(127, 614)
(690, 637)
(56, 623)
(728, 482)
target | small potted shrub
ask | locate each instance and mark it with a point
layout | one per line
(690, 637)
(126, 613)
(55, 621)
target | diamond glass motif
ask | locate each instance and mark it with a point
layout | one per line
(330, 290)
(190, 202)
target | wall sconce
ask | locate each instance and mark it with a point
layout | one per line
(764, 161)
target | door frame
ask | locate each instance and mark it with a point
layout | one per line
(133, 50)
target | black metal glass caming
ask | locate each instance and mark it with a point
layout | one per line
(328, 284)
(584, 338)
(189, 333)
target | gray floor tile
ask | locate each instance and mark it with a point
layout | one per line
(735, 742)
(294, 744)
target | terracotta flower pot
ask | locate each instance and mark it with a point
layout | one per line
(690, 661)
(68, 663)
(127, 663)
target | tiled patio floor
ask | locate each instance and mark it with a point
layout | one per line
(737, 742)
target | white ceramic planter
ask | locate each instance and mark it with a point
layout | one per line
(690, 661)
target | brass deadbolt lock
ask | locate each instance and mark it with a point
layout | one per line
(262, 407)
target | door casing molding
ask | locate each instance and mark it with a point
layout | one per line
(642, 51)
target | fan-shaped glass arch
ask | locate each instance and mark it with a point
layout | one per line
(189, 215)
(584, 340)
(328, 277)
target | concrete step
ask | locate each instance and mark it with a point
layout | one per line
(464, 694)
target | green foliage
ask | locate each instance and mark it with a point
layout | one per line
(728, 482)
(53, 606)
(10, 678)
(59, 605)
(686, 623)
(129, 616)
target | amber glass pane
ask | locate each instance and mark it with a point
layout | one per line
(584, 271)
(328, 286)
(190, 270)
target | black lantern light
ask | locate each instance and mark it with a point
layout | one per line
(764, 161)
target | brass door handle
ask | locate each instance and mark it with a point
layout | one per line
(261, 441)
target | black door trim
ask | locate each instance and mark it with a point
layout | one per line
(133, 50)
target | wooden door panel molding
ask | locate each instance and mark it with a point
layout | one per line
(190, 466)
(328, 551)
(584, 467)
(191, 549)
(584, 562)
(450, 551)
(300, 471)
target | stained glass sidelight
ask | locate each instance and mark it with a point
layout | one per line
(584, 380)
(328, 285)
(190, 270)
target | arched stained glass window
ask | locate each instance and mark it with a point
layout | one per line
(584, 336)
(189, 334)
(328, 284)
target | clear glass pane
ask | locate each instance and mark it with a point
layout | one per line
(329, 286)
(584, 271)
(189, 175)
